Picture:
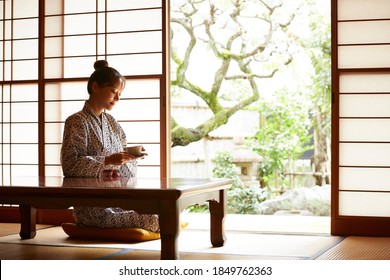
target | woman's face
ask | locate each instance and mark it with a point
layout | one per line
(107, 96)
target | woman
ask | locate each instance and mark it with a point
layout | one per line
(93, 146)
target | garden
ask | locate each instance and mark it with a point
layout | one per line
(258, 70)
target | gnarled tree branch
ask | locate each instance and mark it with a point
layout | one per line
(227, 54)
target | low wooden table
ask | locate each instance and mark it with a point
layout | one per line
(165, 197)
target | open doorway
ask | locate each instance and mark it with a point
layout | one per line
(251, 100)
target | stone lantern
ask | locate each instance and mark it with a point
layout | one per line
(246, 160)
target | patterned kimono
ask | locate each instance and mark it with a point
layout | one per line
(87, 139)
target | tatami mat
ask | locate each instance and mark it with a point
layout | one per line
(239, 245)
(249, 237)
(33, 252)
(12, 228)
(359, 248)
(289, 224)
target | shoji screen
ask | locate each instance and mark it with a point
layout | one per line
(361, 117)
(47, 51)
(129, 34)
(18, 87)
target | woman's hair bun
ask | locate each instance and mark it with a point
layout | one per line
(100, 64)
(104, 75)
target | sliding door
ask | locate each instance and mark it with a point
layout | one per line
(361, 117)
(47, 51)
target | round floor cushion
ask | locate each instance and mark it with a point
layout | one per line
(110, 234)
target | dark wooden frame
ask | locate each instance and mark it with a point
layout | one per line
(347, 225)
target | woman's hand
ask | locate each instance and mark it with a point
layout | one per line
(143, 154)
(118, 158)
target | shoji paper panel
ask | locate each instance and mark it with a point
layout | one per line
(370, 204)
(363, 56)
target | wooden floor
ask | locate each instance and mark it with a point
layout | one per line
(248, 238)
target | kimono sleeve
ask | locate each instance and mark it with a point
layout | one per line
(75, 160)
(129, 169)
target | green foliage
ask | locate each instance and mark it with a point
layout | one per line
(284, 135)
(224, 168)
(319, 49)
(245, 199)
(241, 199)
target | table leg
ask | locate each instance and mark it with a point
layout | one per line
(169, 229)
(217, 220)
(27, 221)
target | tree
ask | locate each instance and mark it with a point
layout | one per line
(283, 137)
(319, 49)
(285, 134)
(247, 41)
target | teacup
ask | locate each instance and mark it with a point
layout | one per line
(134, 150)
